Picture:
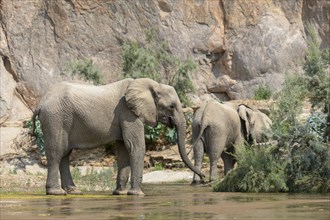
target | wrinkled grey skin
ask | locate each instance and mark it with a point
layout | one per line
(81, 116)
(219, 127)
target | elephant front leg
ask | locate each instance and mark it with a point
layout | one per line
(124, 170)
(133, 134)
(137, 164)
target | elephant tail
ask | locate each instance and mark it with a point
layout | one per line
(34, 117)
(203, 125)
(200, 136)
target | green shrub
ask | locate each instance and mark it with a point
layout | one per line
(288, 104)
(85, 70)
(37, 133)
(325, 56)
(160, 134)
(315, 68)
(171, 135)
(306, 153)
(316, 123)
(257, 171)
(139, 62)
(300, 161)
(153, 59)
(262, 92)
(181, 80)
(308, 167)
(163, 135)
(93, 180)
(158, 166)
(314, 64)
(152, 134)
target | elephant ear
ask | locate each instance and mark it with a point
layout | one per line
(140, 98)
(245, 113)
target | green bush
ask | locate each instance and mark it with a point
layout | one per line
(306, 153)
(138, 62)
(308, 167)
(258, 171)
(160, 134)
(314, 64)
(181, 80)
(158, 166)
(300, 161)
(288, 104)
(152, 134)
(262, 92)
(37, 133)
(153, 59)
(94, 180)
(85, 70)
(316, 124)
(163, 135)
(318, 82)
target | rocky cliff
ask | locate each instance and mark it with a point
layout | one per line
(238, 44)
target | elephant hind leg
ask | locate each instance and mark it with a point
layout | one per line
(54, 153)
(67, 183)
(52, 184)
(124, 169)
(198, 156)
(216, 147)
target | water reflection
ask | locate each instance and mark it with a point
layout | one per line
(170, 202)
(204, 200)
(59, 207)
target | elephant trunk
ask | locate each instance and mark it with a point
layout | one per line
(181, 131)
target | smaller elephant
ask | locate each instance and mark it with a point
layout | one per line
(218, 127)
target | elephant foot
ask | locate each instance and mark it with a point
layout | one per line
(135, 192)
(72, 190)
(56, 191)
(120, 192)
(197, 182)
(209, 184)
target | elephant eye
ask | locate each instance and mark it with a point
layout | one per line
(172, 106)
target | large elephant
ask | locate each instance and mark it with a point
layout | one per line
(80, 116)
(218, 127)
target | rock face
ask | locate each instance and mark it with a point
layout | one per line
(238, 44)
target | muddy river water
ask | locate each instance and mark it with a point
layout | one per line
(170, 201)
